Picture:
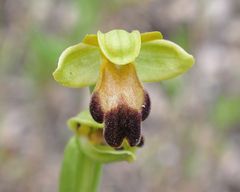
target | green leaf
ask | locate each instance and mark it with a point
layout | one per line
(161, 59)
(119, 46)
(78, 66)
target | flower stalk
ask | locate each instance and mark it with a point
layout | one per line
(79, 173)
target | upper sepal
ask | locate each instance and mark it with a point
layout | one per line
(119, 46)
(162, 59)
(78, 66)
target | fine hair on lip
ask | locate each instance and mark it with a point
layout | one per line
(146, 107)
(96, 109)
(122, 122)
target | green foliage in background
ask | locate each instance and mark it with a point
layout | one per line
(44, 48)
(226, 112)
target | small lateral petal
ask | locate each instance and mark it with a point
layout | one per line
(90, 39)
(150, 36)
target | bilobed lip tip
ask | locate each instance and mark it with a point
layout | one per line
(122, 122)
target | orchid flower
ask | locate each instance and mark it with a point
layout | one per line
(116, 63)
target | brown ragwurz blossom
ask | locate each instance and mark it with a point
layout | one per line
(120, 102)
(117, 62)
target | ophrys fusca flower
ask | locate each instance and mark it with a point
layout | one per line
(117, 63)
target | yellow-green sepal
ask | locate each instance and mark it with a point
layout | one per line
(78, 66)
(119, 46)
(162, 59)
(83, 118)
(82, 125)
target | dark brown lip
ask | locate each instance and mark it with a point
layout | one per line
(121, 122)
(146, 107)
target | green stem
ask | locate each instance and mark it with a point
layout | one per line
(97, 176)
(79, 172)
(89, 175)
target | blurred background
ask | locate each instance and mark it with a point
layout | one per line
(193, 132)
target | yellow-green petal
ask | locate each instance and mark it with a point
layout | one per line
(150, 36)
(78, 66)
(161, 59)
(90, 39)
(119, 46)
